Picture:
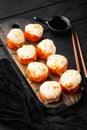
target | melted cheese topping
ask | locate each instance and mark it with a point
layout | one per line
(47, 45)
(70, 79)
(50, 89)
(16, 36)
(37, 69)
(56, 61)
(35, 29)
(26, 51)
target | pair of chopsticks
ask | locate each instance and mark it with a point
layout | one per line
(76, 43)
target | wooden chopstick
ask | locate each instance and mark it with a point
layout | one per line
(75, 52)
(81, 55)
(75, 41)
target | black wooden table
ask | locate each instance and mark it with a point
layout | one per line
(74, 10)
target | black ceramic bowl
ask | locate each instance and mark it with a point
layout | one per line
(56, 23)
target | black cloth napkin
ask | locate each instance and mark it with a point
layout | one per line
(21, 110)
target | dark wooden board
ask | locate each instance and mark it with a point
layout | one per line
(68, 99)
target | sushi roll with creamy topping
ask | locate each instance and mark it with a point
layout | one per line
(33, 32)
(70, 81)
(15, 38)
(37, 71)
(45, 48)
(26, 54)
(57, 64)
(50, 91)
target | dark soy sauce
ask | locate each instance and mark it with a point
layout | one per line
(58, 23)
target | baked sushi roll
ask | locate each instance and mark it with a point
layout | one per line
(37, 71)
(15, 38)
(70, 81)
(33, 32)
(26, 54)
(45, 48)
(50, 91)
(57, 64)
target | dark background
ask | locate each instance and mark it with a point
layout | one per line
(74, 10)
